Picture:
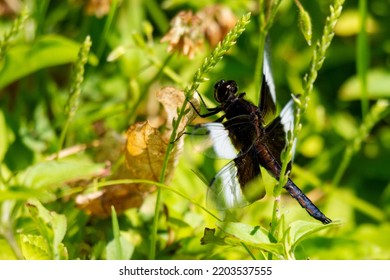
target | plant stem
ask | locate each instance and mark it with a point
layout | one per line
(380, 110)
(265, 22)
(107, 28)
(362, 56)
(75, 90)
(301, 102)
(13, 31)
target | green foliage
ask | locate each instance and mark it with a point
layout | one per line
(51, 227)
(68, 74)
(27, 58)
(13, 31)
(75, 89)
(119, 248)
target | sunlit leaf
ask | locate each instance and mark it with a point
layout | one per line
(378, 85)
(210, 238)
(35, 247)
(6, 252)
(24, 193)
(238, 233)
(376, 236)
(350, 22)
(6, 137)
(115, 228)
(300, 230)
(60, 171)
(127, 249)
(51, 225)
(24, 59)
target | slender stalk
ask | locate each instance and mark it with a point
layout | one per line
(107, 28)
(40, 15)
(258, 79)
(380, 110)
(266, 17)
(248, 251)
(75, 90)
(362, 56)
(157, 15)
(208, 64)
(301, 102)
(13, 31)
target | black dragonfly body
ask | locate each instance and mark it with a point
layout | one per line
(256, 143)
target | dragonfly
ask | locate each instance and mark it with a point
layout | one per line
(250, 136)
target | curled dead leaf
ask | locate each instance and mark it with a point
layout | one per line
(145, 150)
(172, 99)
(99, 203)
(146, 145)
(144, 153)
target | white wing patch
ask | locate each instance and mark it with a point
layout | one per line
(268, 76)
(213, 140)
(287, 116)
(287, 120)
(224, 192)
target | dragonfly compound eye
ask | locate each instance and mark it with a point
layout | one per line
(223, 89)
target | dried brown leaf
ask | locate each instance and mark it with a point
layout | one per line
(144, 151)
(99, 203)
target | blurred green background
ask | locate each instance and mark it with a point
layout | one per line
(127, 65)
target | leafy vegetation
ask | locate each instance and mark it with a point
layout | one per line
(75, 76)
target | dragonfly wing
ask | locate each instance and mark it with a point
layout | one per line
(213, 140)
(267, 104)
(225, 192)
(232, 186)
(287, 116)
(248, 169)
(276, 131)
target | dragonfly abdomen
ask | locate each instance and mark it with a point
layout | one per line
(305, 202)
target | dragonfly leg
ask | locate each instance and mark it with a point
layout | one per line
(211, 111)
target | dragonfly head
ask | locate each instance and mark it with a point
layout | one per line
(223, 89)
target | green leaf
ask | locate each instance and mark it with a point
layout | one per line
(24, 193)
(210, 238)
(6, 137)
(253, 236)
(300, 230)
(127, 249)
(119, 248)
(115, 229)
(378, 86)
(24, 59)
(51, 225)
(247, 233)
(34, 247)
(6, 252)
(60, 171)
